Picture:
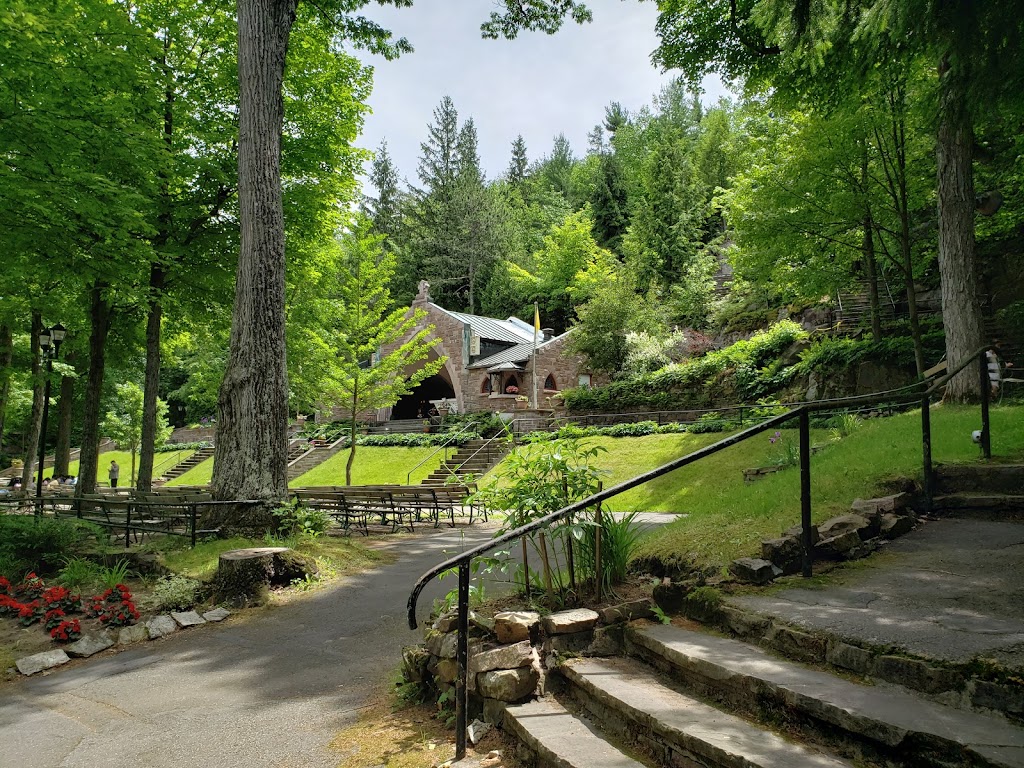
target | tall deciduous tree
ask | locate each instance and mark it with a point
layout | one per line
(381, 353)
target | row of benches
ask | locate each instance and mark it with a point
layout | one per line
(398, 505)
(133, 516)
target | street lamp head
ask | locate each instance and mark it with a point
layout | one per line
(44, 339)
(58, 332)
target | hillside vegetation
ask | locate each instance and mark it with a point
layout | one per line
(727, 517)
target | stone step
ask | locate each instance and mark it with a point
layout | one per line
(1006, 506)
(980, 478)
(628, 700)
(559, 739)
(887, 722)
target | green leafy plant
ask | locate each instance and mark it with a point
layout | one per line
(660, 615)
(78, 572)
(786, 452)
(845, 425)
(28, 544)
(295, 519)
(176, 593)
(113, 576)
(619, 539)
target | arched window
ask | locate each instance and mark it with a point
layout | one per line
(512, 385)
(485, 386)
(550, 384)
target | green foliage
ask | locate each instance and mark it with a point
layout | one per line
(193, 446)
(111, 576)
(123, 424)
(78, 572)
(176, 593)
(744, 371)
(294, 519)
(620, 537)
(835, 353)
(845, 424)
(41, 545)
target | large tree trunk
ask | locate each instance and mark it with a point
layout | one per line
(88, 464)
(151, 387)
(961, 308)
(6, 354)
(252, 409)
(62, 449)
(36, 419)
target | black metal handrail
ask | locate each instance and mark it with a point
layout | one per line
(919, 391)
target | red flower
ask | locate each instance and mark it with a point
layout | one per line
(5, 586)
(66, 630)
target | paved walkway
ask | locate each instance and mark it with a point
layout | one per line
(269, 690)
(951, 590)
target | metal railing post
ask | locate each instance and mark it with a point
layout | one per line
(127, 523)
(986, 395)
(194, 516)
(805, 492)
(462, 660)
(926, 449)
(597, 544)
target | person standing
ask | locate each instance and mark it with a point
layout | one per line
(115, 472)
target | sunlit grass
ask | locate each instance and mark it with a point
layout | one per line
(200, 474)
(728, 518)
(161, 463)
(374, 465)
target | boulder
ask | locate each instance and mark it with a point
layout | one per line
(507, 684)
(29, 665)
(89, 645)
(477, 730)
(414, 663)
(575, 642)
(893, 526)
(446, 622)
(514, 626)
(634, 609)
(569, 622)
(503, 657)
(217, 614)
(837, 547)
(447, 671)
(753, 570)
(786, 553)
(865, 527)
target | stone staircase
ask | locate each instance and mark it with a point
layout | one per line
(843, 679)
(683, 697)
(989, 490)
(302, 458)
(475, 457)
(182, 467)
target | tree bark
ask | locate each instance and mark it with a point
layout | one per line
(252, 410)
(6, 354)
(88, 464)
(36, 419)
(871, 267)
(151, 386)
(352, 432)
(62, 449)
(961, 309)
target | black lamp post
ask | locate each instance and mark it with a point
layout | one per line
(49, 342)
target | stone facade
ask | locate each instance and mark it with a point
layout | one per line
(471, 343)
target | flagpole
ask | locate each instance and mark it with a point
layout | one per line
(536, 331)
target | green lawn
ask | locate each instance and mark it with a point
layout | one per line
(374, 466)
(727, 518)
(161, 462)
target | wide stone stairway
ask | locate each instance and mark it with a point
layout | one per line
(915, 657)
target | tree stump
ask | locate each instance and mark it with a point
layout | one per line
(245, 575)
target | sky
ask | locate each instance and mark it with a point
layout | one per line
(536, 85)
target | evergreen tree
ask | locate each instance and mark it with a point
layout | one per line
(609, 204)
(519, 164)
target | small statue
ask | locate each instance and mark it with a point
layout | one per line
(423, 293)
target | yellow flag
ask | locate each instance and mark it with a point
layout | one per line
(536, 317)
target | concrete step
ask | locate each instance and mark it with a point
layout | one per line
(630, 701)
(886, 723)
(558, 739)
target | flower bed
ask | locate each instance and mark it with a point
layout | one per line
(32, 602)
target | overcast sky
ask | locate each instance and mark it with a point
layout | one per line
(537, 85)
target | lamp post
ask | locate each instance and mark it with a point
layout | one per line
(49, 342)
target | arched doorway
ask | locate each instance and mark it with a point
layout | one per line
(412, 406)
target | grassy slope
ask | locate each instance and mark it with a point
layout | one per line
(161, 462)
(728, 517)
(374, 466)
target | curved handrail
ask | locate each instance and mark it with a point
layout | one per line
(443, 447)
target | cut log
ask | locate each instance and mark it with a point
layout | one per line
(244, 575)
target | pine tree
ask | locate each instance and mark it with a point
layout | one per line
(519, 165)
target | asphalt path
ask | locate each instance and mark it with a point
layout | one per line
(272, 689)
